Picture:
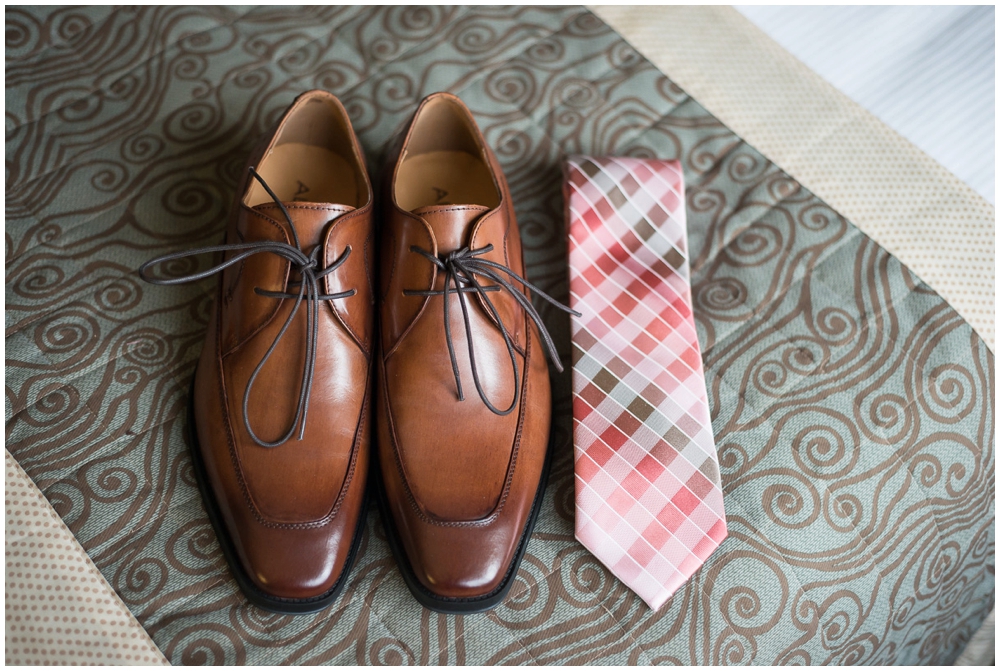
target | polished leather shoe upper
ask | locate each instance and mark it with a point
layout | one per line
(460, 476)
(291, 509)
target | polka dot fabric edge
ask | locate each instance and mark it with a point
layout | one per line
(59, 608)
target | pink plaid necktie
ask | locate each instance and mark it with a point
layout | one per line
(648, 495)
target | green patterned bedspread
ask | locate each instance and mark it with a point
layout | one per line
(852, 407)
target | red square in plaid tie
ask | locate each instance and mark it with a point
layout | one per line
(613, 438)
(586, 468)
(600, 453)
(652, 518)
(650, 468)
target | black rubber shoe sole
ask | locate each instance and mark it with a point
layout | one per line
(455, 605)
(253, 594)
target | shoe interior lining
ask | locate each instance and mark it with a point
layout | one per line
(443, 163)
(313, 160)
(444, 178)
(306, 173)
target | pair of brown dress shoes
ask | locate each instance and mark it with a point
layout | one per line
(337, 317)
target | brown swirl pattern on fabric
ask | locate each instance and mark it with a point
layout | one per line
(853, 408)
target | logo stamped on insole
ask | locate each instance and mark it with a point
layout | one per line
(441, 195)
(303, 189)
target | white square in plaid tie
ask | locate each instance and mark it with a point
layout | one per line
(648, 494)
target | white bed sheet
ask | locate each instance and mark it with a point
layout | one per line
(927, 72)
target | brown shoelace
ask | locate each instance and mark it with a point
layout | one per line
(307, 266)
(460, 268)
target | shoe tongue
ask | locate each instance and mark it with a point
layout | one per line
(451, 223)
(309, 219)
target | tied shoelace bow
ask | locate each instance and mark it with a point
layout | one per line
(308, 290)
(460, 268)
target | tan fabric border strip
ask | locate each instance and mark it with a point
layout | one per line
(59, 608)
(898, 195)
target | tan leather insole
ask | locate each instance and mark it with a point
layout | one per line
(306, 173)
(444, 178)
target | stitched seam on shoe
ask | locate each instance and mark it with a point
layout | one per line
(256, 154)
(476, 208)
(267, 320)
(492, 214)
(239, 272)
(231, 444)
(397, 460)
(525, 537)
(369, 275)
(390, 242)
(423, 306)
(303, 206)
(315, 524)
(346, 217)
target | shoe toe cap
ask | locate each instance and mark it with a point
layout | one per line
(298, 563)
(465, 563)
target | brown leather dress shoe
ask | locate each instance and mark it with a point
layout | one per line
(281, 395)
(463, 398)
